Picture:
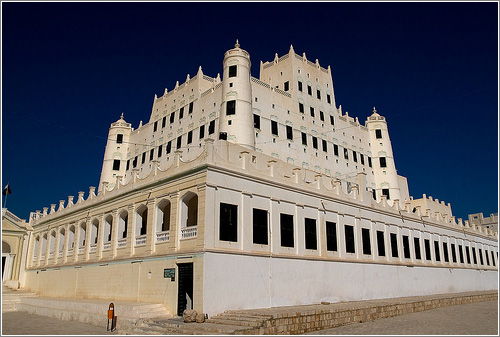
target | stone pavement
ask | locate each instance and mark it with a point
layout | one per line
(467, 319)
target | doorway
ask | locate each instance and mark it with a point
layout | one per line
(185, 288)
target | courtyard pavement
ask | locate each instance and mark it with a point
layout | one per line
(467, 319)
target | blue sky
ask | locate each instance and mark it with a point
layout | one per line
(70, 69)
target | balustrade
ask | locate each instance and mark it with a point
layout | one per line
(81, 250)
(140, 240)
(163, 236)
(122, 243)
(93, 247)
(106, 246)
(189, 232)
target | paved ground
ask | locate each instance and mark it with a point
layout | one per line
(467, 319)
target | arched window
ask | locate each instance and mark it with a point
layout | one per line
(52, 243)
(36, 247)
(189, 210)
(94, 230)
(108, 225)
(44, 244)
(82, 234)
(122, 225)
(71, 237)
(141, 220)
(163, 216)
(62, 236)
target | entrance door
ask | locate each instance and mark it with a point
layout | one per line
(185, 295)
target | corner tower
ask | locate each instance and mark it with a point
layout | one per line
(384, 168)
(115, 154)
(236, 118)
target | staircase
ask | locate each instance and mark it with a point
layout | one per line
(11, 298)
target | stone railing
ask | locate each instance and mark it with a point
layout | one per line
(140, 240)
(106, 246)
(93, 248)
(163, 236)
(70, 252)
(60, 254)
(121, 243)
(81, 250)
(189, 232)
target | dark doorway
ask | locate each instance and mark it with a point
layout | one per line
(185, 294)
(4, 258)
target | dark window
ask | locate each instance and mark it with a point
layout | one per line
(354, 156)
(163, 121)
(286, 226)
(346, 154)
(202, 131)
(119, 138)
(134, 163)
(406, 246)
(151, 154)
(160, 150)
(169, 146)
(385, 191)
(256, 121)
(286, 86)
(332, 120)
(143, 159)
(487, 257)
(228, 222)
(223, 135)
(260, 226)
(211, 127)
(328, 99)
(383, 163)
(331, 236)
(190, 137)
(289, 132)
(300, 86)
(309, 90)
(493, 259)
(310, 231)
(322, 115)
(349, 239)
(365, 237)
(335, 149)
(179, 142)
(155, 126)
(369, 161)
(481, 256)
(378, 133)
(304, 138)
(231, 108)
(436, 251)
(416, 243)
(445, 252)
(474, 255)
(274, 128)
(172, 117)
(460, 254)
(394, 245)
(318, 94)
(315, 142)
(116, 165)
(232, 71)
(311, 109)
(362, 158)
(374, 194)
(325, 145)
(128, 164)
(190, 108)
(380, 243)
(301, 108)
(467, 254)
(427, 246)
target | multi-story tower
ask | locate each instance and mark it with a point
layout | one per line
(236, 118)
(115, 154)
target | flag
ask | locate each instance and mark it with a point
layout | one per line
(6, 190)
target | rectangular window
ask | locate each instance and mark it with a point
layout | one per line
(378, 133)
(155, 126)
(335, 149)
(231, 107)
(202, 131)
(309, 90)
(380, 243)
(474, 256)
(362, 158)
(169, 147)
(286, 230)
(256, 121)
(427, 246)
(143, 159)
(134, 163)
(369, 161)
(332, 120)
(179, 142)
(460, 254)
(223, 135)
(493, 259)
(289, 132)
(160, 150)
(322, 115)
(119, 139)
(382, 162)
(331, 236)
(349, 239)
(385, 191)
(365, 237)
(310, 232)
(328, 99)
(300, 86)
(151, 154)
(325, 145)
(260, 226)
(286, 86)
(406, 246)
(311, 110)
(304, 138)
(232, 71)
(116, 165)
(128, 165)
(354, 156)
(487, 257)
(315, 142)
(394, 245)
(445, 252)
(467, 254)
(318, 94)
(436, 251)
(211, 127)
(228, 222)
(172, 117)
(481, 256)
(416, 243)
(190, 137)
(301, 108)
(190, 108)
(346, 154)
(163, 121)
(274, 128)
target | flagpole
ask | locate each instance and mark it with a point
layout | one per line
(6, 194)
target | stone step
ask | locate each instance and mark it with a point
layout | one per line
(239, 322)
(247, 313)
(242, 317)
(177, 325)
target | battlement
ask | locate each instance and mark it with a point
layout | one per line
(303, 58)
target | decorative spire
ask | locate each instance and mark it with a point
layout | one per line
(121, 117)
(237, 45)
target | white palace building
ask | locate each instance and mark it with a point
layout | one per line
(247, 192)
